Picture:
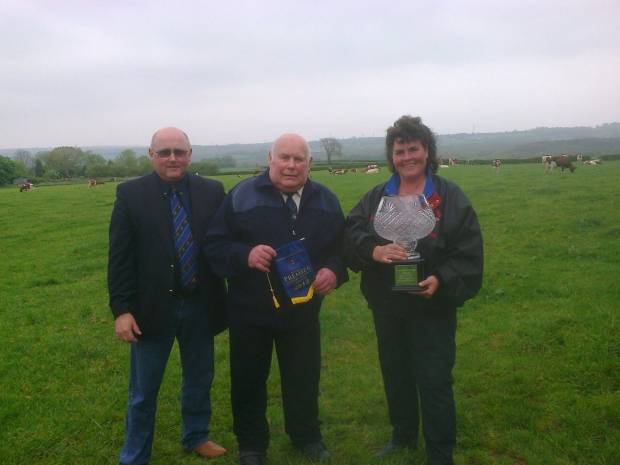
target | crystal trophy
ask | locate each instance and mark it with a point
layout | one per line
(404, 220)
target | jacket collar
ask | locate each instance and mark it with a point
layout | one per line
(156, 196)
(391, 187)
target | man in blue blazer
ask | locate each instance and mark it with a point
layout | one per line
(161, 290)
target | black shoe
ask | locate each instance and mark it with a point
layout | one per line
(252, 457)
(315, 451)
(393, 447)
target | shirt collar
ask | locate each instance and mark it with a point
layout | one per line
(264, 182)
(166, 186)
(296, 195)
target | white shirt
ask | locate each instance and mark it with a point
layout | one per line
(296, 197)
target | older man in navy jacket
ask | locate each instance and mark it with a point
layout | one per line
(160, 289)
(258, 216)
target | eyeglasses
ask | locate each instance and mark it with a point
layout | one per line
(165, 153)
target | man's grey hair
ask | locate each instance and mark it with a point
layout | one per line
(306, 146)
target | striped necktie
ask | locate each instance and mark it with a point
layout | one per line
(292, 206)
(183, 243)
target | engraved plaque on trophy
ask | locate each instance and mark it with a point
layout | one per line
(404, 220)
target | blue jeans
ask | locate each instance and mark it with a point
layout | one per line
(148, 361)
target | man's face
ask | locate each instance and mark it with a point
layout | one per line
(170, 154)
(410, 158)
(289, 163)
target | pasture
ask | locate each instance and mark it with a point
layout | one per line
(537, 378)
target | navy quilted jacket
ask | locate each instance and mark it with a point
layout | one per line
(254, 213)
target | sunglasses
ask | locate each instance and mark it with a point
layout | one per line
(165, 153)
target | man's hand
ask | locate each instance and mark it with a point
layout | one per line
(325, 281)
(388, 253)
(126, 328)
(260, 257)
(430, 285)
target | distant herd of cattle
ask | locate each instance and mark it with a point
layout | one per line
(369, 169)
(564, 162)
(27, 186)
(550, 162)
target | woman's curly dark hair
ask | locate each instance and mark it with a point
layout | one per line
(406, 129)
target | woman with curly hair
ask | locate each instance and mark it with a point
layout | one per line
(416, 330)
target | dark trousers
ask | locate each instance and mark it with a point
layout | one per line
(417, 352)
(299, 359)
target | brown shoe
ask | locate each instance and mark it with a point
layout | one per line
(209, 450)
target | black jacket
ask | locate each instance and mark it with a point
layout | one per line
(141, 267)
(254, 213)
(453, 251)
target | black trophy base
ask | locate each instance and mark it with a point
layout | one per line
(407, 275)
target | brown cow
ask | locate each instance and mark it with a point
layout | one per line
(561, 161)
(25, 187)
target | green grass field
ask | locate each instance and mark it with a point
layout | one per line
(537, 378)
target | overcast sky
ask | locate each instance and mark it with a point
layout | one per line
(112, 72)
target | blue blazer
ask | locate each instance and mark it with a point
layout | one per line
(141, 266)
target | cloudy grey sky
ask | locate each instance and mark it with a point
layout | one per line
(111, 72)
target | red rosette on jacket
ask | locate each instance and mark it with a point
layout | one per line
(435, 201)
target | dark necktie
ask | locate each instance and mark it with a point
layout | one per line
(292, 206)
(183, 243)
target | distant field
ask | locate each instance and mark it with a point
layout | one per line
(537, 379)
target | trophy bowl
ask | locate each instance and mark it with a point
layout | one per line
(404, 220)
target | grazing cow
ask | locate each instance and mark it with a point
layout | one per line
(25, 187)
(497, 164)
(372, 169)
(94, 182)
(561, 161)
(548, 163)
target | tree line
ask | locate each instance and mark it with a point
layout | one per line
(72, 162)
